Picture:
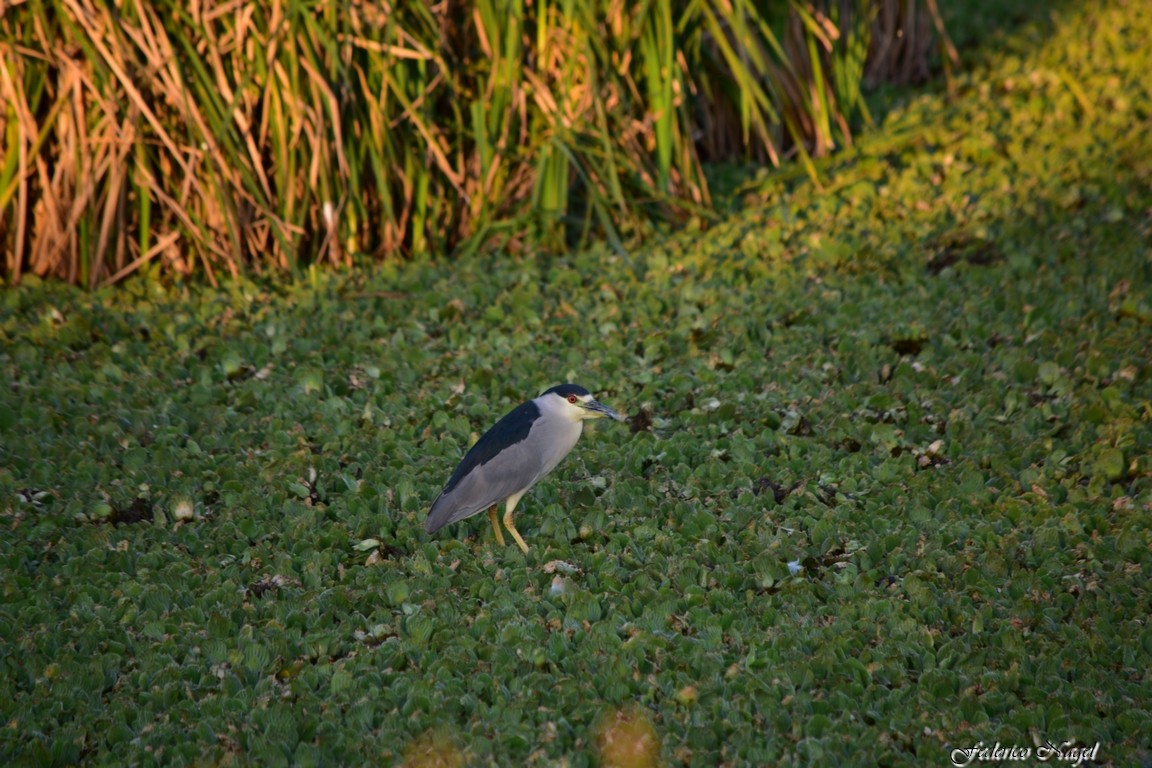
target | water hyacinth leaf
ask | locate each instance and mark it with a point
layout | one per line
(1110, 463)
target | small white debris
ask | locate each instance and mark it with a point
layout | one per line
(562, 566)
(183, 510)
(794, 567)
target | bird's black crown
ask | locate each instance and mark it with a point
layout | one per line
(564, 390)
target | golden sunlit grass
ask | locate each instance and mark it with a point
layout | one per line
(216, 138)
(626, 738)
(434, 749)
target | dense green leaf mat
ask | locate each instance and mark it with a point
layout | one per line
(928, 385)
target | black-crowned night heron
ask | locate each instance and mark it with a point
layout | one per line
(513, 455)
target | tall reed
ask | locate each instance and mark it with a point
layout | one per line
(222, 137)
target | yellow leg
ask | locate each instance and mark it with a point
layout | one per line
(511, 507)
(496, 525)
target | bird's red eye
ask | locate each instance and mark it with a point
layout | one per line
(572, 399)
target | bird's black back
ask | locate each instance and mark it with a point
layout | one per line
(511, 429)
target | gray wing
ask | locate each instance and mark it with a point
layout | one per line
(514, 470)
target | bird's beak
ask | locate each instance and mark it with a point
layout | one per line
(597, 410)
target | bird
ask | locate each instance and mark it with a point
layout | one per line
(512, 456)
